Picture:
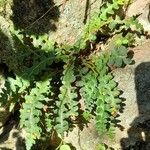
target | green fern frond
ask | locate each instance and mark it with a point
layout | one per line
(107, 97)
(38, 65)
(19, 84)
(43, 43)
(102, 18)
(13, 90)
(119, 57)
(107, 101)
(98, 90)
(38, 60)
(133, 24)
(32, 111)
(67, 103)
(48, 122)
(88, 88)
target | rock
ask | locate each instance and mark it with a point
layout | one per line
(4, 110)
(63, 19)
(11, 138)
(72, 19)
(141, 8)
(4, 115)
(134, 81)
(137, 7)
(133, 128)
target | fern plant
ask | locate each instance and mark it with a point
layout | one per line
(107, 21)
(102, 18)
(30, 112)
(54, 83)
(99, 92)
(67, 103)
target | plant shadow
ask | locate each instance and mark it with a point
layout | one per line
(12, 59)
(139, 132)
(35, 17)
(10, 134)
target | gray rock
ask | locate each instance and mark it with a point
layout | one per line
(141, 8)
(134, 81)
(133, 132)
(72, 19)
(63, 19)
(4, 110)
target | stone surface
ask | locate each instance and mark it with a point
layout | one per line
(137, 7)
(11, 138)
(4, 110)
(134, 81)
(141, 8)
(72, 19)
(62, 19)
